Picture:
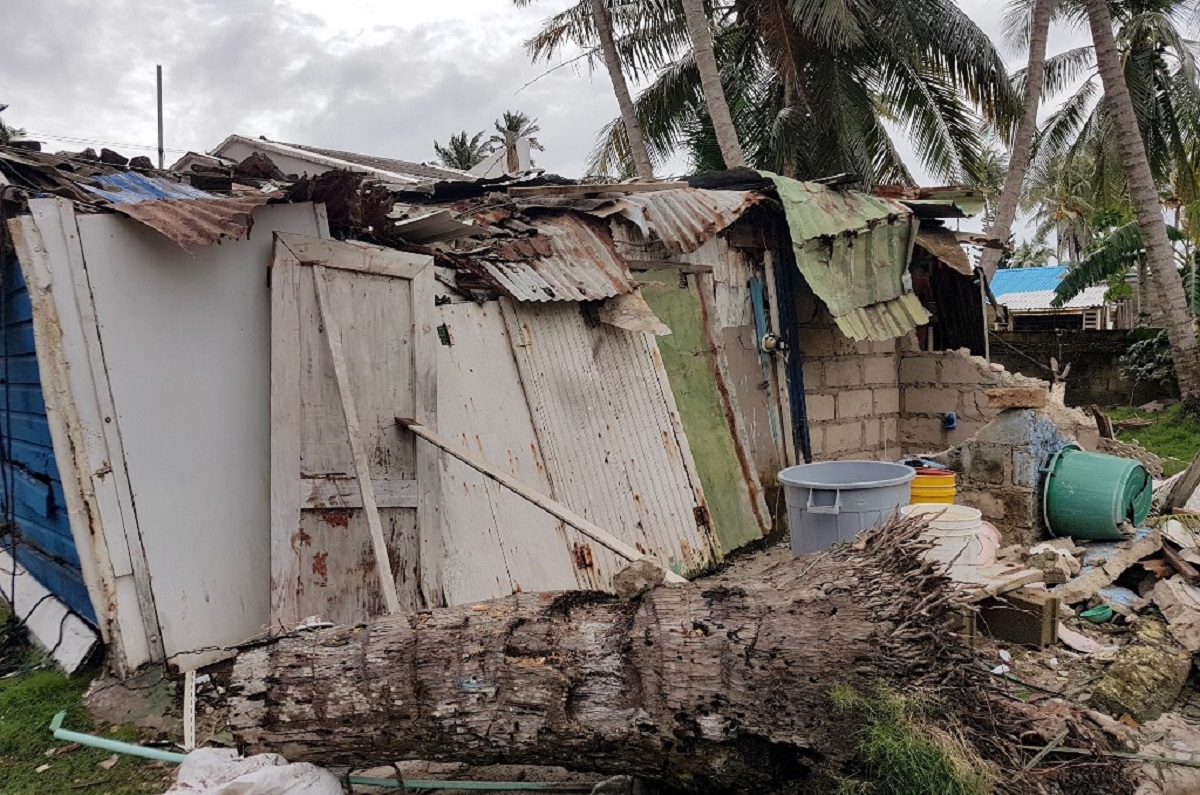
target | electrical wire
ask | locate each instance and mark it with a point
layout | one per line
(94, 142)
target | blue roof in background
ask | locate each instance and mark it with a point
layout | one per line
(1027, 280)
(131, 187)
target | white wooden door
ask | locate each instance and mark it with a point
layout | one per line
(355, 522)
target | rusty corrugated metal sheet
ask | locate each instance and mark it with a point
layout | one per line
(193, 223)
(686, 218)
(943, 245)
(572, 258)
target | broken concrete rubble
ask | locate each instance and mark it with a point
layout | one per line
(1146, 676)
(1103, 563)
(1179, 603)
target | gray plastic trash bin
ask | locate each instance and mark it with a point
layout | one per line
(834, 501)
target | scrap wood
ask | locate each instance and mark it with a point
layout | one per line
(1179, 604)
(1103, 423)
(1186, 570)
(1097, 574)
(985, 581)
(1081, 643)
(1160, 568)
(1184, 487)
(548, 504)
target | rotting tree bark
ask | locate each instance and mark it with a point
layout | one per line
(719, 688)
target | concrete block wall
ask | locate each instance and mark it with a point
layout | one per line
(851, 388)
(933, 383)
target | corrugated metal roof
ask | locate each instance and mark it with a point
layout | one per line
(853, 250)
(684, 219)
(576, 261)
(131, 187)
(193, 223)
(1042, 300)
(1027, 280)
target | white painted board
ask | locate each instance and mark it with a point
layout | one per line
(186, 345)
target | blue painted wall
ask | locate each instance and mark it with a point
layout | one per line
(32, 491)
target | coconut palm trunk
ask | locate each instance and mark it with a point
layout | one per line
(1018, 162)
(612, 62)
(1160, 256)
(710, 81)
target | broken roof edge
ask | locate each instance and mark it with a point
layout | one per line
(319, 159)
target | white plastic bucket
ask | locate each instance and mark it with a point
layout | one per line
(955, 531)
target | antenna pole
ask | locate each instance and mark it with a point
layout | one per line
(161, 165)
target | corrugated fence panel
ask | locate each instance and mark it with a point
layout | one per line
(496, 542)
(611, 444)
(32, 493)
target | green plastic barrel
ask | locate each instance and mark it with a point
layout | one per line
(1090, 496)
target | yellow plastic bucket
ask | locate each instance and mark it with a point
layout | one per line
(933, 485)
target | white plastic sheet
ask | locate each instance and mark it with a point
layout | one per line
(220, 771)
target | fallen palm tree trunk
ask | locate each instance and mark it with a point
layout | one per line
(704, 687)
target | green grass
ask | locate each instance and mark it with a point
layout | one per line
(28, 700)
(1172, 438)
(902, 752)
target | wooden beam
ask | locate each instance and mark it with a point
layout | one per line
(547, 504)
(1185, 487)
(1185, 569)
(333, 335)
(585, 190)
(665, 265)
(1103, 423)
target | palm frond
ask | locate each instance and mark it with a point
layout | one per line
(1117, 254)
(1062, 71)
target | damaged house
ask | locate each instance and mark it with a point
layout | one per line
(234, 408)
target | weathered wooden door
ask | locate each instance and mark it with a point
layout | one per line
(355, 523)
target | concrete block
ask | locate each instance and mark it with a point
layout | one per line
(879, 370)
(958, 369)
(922, 434)
(814, 374)
(1016, 398)
(965, 431)
(987, 503)
(1146, 677)
(854, 403)
(908, 343)
(820, 407)
(1026, 468)
(972, 406)
(928, 400)
(919, 369)
(843, 345)
(887, 400)
(844, 372)
(842, 437)
(891, 453)
(890, 427)
(872, 433)
(990, 464)
(816, 439)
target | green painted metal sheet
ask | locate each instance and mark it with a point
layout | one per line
(853, 250)
(691, 370)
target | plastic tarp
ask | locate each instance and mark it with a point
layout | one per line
(221, 771)
(853, 250)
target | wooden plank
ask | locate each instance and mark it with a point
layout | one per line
(1184, 488)
(585, 190)
(343, 492)
(353, 256)
(285, 431)
(1027, 616)
(1185, 569)
(189, 710)
(430, 520)
(551, 506)
(109, 473)
(1103, 424)
(779, 384)
(333, 335)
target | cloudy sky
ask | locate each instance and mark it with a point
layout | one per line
(383, 77)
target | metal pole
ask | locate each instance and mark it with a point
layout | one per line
(158, 70)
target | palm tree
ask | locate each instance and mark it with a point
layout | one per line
(811, 85)
(1061, 196)
(511, 127)
(595, 16)
(1030, 254)
(1022, 149)
(1160, 256)
(710, 79)
(461, 152)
